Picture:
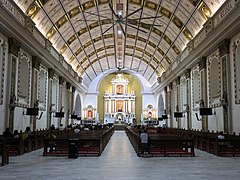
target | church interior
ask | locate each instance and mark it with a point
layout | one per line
(117, 66)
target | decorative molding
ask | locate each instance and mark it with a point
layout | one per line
(236, 66)
(42, 104)
(13, 10)
(73, 89)
(68, 85)
(213, 101)
(36, 62)
(208, 26)
(80, 80)
(24, 101)
(224, 47)
(190, 46)
(3, 50)
(195, 99)
(51, 73)
(226, 9)
(202, 63)
(48, 45)
(165, 89)
(170, 86)
(29, 24)
(187, 73)
(14, 46)
(61, 81)
(177, 81)
(61, 59)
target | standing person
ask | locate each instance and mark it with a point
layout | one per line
(144, 143)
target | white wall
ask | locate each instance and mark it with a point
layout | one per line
(3, 105)
(235, 108)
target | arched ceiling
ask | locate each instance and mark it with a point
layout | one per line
(86, 32)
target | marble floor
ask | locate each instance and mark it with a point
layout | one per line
(120, 162)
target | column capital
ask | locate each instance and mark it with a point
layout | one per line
(14, 46)
(61, 80)
(80, 79)
(36, 61)
(51, 73)
(177, 80)
(73, 89)
(187, 73)
(165, 89)
(68, 85)
(202, 63)
(170, 86)
(224, 47)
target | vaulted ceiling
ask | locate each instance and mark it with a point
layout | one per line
(143, 36)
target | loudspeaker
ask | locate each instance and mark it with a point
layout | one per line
(32, 111)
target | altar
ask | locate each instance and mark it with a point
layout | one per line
(119, 103)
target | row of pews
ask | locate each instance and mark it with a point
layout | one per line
(87, 143)
(182, 142)
(90, 142)
(209, 142)
(24, 144)
(163, 144)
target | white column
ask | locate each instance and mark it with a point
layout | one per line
(130, 106)
(109, 106)
(113, 89)
(114, 105)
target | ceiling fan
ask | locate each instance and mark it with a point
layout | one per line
(130, 22)
(123, 69)
(118, 19)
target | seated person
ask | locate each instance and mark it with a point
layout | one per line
(7, 133)
(77, 130)
(220, 135)
(61, 128)
(15, 134)
(52, 144)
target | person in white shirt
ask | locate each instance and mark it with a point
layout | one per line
(220, 135)
(77, 130)
(144, 142)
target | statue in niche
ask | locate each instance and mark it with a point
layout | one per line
(119, 89)
(119, 106)
(89, 114)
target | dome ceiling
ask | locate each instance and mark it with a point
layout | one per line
(144, 36)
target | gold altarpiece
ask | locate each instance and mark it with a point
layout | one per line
(119, 103)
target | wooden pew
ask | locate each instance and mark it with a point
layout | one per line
(163, 145)
(170, 146)
(87, 142)
(230, 146)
